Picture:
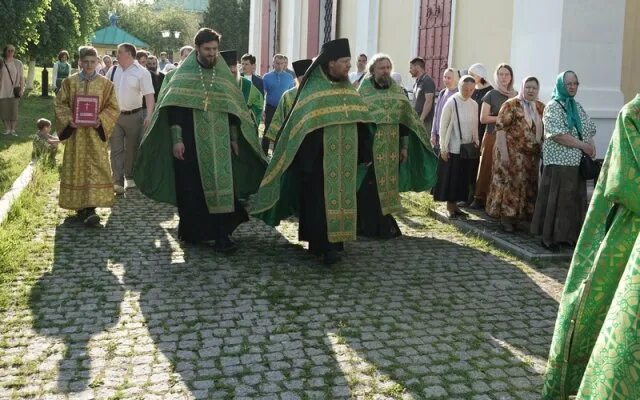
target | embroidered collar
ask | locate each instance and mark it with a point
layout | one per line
(84, 77)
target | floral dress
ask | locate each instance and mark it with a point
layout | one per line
(514, 187)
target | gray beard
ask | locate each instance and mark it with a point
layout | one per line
(383, 82)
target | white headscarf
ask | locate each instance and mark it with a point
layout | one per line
(531, 114)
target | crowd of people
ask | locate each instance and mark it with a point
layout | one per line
(490, 139)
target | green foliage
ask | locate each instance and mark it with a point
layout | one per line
(59, 30)
(146, 20)
(231, 19)
(19, 20)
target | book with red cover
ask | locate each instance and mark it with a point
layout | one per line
(85, 110)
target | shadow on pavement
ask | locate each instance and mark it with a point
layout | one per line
(417, 316)
(79, 298)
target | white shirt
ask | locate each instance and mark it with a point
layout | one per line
(449, 132)
(354, 76)
(131, 84)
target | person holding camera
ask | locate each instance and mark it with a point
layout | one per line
(11, 88)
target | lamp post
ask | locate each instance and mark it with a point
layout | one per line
(168, 34)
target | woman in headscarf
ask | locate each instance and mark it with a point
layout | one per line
(562, 198)
(458, 126)
(514, 184)
(491, 104)
(480, 74)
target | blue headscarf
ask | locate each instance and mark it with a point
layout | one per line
(561, 95)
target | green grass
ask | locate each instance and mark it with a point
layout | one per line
(15, 152)
(20, 255)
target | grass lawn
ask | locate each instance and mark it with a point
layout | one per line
(15, 152)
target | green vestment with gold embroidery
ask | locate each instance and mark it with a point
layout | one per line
(212, 94)
(284, 106)
(595, 352)
(337, 108)
(390, 108)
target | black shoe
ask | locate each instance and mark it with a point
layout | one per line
(462, 204)
(331, 257)
(551, 247)
(92, 219)
(508, 227)
(461, 214)
(225, 246)
(476, 205)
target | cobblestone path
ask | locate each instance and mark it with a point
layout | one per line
(125, 312)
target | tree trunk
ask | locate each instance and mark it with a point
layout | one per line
(31, 75)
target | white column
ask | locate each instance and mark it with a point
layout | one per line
(367, 22)
(293, 30)
(255, 29)
(586, 36)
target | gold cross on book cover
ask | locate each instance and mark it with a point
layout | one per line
(85, 110)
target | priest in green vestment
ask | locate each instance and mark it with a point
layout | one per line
(595, 352)
(313, 172)
(252, 95)
(286, 101)
(402, 159)
(201, 150)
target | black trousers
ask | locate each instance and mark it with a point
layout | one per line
(269, 112)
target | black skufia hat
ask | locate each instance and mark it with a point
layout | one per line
(334, 49)
(301, 66)
(230, 57)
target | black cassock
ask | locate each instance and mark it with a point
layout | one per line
(308, 163)
(371, 222)
(196, 223)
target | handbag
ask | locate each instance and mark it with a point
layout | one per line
(468, 151)
(588, 168)
(16, 89)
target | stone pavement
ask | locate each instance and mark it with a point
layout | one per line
(125, 312)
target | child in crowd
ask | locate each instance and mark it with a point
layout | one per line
(45, 143)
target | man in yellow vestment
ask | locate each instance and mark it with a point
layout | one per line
(85, 176)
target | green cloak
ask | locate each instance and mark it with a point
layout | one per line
(337, 107)
(390, 109)
(252, 97)
(595, 350)
(284, 106)
(224, 175)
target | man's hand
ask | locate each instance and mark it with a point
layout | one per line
(73, 125)
(235, 148)
(97, 125)
(178, 151)
(444, 155)
(147, 120)
(404, 155)
(434, 140)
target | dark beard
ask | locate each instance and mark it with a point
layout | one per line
(153, 69)
(204, 62)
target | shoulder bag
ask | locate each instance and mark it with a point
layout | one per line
(16, 89)
(588, 167)
(468, 151)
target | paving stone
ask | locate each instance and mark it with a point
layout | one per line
(133, 312)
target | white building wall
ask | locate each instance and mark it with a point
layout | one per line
(585, 36)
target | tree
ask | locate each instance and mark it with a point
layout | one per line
(19, 20)
(59, 30)
(146, 20)
(230, 18)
